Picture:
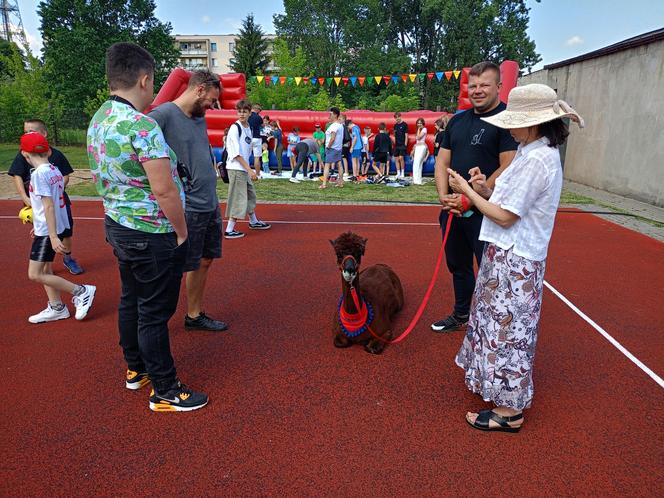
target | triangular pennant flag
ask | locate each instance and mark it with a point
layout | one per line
(328, 81)
(353, 80)
(282, 80)
(290, 80)
(421, 76)
(321, 81)
(297, 80)
(439, 75)
(337, 80)
(377, 79)
(404, 77)
(275, 79)
(345, 80)
(395, 80)
(448, 75)
(412, 77)
(361, 80)
(260, 78)
(267, 80)
(305, 79)
(456, 74)
(386, 79)
(429, 76)
(252, 79)
(314, 81)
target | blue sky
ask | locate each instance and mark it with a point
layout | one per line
(561, 28)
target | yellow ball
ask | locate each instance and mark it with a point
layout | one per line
(25, 215)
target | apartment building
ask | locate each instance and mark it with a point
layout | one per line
(213, 52)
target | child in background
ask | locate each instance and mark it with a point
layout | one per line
(381, 153)
(293, 138)
(265, 158)
(365, 150)
(319, 136)
(277, 134)
(50, 220)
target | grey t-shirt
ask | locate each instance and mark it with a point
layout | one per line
(189, 140)
(312, 145)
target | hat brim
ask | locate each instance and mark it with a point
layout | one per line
(515, 119)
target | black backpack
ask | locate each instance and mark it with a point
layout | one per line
(347, 138)
(223, 172)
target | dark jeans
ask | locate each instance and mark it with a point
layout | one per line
(462, 242)
(302, 151)
(279, 152)
(150, 272)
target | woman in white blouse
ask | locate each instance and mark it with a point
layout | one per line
(499, 348)
(420, 151)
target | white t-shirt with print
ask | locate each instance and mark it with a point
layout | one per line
(238, 145)
(338, 139)
(365, 143)
(47, 181)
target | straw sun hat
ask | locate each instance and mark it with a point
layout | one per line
(533, 104)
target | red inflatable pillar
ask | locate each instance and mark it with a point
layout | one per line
(233, 89)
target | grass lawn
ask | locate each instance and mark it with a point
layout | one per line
(75, 153)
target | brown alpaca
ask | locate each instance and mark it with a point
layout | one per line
(381, 291)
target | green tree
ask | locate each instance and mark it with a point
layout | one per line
(250, 55)
(27, 94)
(8, 50)
(76, 34)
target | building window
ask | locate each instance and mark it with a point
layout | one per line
(213, 47)
(214, 62)
(231, 46)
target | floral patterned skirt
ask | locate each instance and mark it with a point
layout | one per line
(498, 351)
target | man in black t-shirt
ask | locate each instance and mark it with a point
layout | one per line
(256, 123)
(20, 171)
(470, 142)
(400, 144)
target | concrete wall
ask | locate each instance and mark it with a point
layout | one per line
(621, 98)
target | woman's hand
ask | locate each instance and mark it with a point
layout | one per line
(458, 183)
(478, 180)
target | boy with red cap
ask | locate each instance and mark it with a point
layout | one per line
(50, 220)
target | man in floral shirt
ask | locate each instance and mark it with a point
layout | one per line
(135, 172)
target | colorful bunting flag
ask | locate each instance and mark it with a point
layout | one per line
(361, 80)
(321, 81)
(337, 80)
(275, 79)
(282, 79)
(429, 76)
(404, 77)
(314, 81)
(305, 79)
(412, 77)
(328, 81)
(260, 78)
(345, 80)
(353, 80)
(439, 75)
(456, 74)
(421, 76)
(377, 79)
(395, 80)
(386, 79)
(298, 79)
(290, 80)
(448, 75)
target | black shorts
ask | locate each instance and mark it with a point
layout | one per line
(380, 157)
(204, 237)
(42, 250)
(68, 232)
(400, 150)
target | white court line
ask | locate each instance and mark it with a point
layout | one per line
(594, 325)
(607, 336)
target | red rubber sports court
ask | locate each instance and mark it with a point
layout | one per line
(290, 415)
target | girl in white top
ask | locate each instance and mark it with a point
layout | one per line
(420, 151)
(499, 348)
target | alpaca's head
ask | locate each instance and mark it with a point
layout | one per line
(349, 244)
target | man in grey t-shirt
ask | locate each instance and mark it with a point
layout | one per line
(304, 149)
(185, 131)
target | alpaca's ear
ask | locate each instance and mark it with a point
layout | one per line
(364, 245)
(332, 242)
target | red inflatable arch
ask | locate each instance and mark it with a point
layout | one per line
(234, 89)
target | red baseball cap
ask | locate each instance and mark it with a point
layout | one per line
(34, 142)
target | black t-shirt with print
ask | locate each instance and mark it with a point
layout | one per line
(21, 167)
(400, 131)
(474, 142)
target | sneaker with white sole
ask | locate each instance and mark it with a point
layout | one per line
(49, 315)
(177, 399)
(233, 234)
(84, 301)
(260, 225)
(136, 380)
(293, 180)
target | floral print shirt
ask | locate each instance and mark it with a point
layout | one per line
(120, 139)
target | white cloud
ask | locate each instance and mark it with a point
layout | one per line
(34, 41)
(205, 19)
(575, 40)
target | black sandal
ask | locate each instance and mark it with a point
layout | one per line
(482, 422)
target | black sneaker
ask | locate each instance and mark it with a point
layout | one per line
(177, 399)
(233, 234)
(136, 380)
(449, 324)
(260, 225)
(203, 322)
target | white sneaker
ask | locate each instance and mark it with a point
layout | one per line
(84, 301)
(293, 180)
(49, 315)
